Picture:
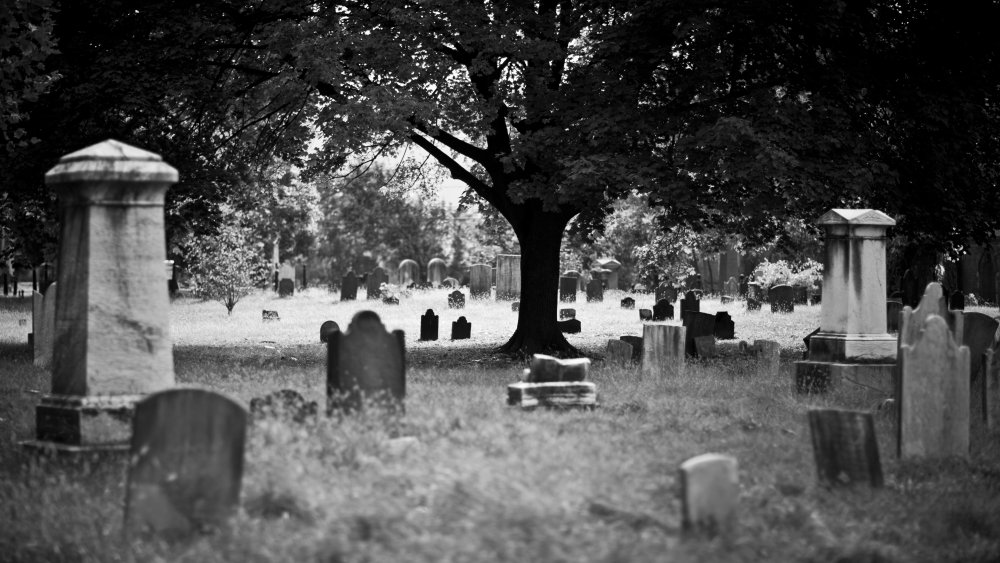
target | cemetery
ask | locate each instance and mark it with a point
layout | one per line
(591, 282)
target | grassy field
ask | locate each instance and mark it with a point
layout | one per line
(484, 482)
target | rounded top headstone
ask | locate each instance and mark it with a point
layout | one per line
(113, 161)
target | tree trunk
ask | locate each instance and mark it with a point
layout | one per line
(540, 235)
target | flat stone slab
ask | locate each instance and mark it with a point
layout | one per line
(558, 394)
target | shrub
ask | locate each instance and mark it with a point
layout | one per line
(226, 267)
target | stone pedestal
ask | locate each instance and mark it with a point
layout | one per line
(112, 328)
(852, 343)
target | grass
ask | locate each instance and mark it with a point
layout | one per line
(484, 482)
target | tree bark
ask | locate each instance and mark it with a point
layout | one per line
(540, 235)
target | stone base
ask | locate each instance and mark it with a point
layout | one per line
(852, 348)
(820, 377)
(70, 423)
(556, 394)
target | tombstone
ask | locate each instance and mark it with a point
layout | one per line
(461, 329)
(286, 287)
(408, 272)
(730, 289)
(437, 270)
(710, 493)
(782, 299)
(636, 343)
(185, 464)
(957, 301)
(373, 284)
(705, 346)
(429, 326)
(449, 283)
(567, 289)
(800, 295)
(112, 324)
(663, 310)
(845, 447)
(275, 281)
(349, 286)
(691, 302)
(390, 300)
(326, 329)
(479, 281)
(43, 326)
(645, 314)
(567, 314)
(978, 333)
(725, 328)
(697, 324)
(628, 303)
(286, 404)
(305, 277)
(619, 353)
(456, 300)
(571, 326)
(990, 389)
(754, 296)
(579, 280)
(934, 398)
(554, 383)
(662, 350)
(893, 307)
(595, 291)
(766, 355)
(612, 267)
(665, 291)
(515, 306)
(365, 363)
(268, 316)
(547, 369)
(508, 276)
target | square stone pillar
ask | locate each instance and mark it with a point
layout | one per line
(112, 327)
(852, 342)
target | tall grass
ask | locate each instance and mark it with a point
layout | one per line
(474, 480)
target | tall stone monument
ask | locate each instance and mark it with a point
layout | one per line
(852, 341)
(112, 322)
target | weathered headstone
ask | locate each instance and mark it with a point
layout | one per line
(429, 325)
(893, 307)
(508, 276)
(612, 266)
(185, 464)
(570, 326)
(437, 270)
(990, 388)
(628, 303)
(268, 316)
(567, 288)
(697, 324)
(547, 369)
(619, 352)
(43, 321)
(636, 342)
(645, 314)
(365, 363)
(663, 310)
(662, 350)
(286, 287)
(710, 493)
(725, 328)
(567, 314)
(461, 329)
(956, 301)
(326, 329)
(845, 447)
(691, 302)
(934, 398)
(480, 284)
(595, 290)
(575, 275)
(782, 299)
(373, 284)
(554, 383)
(978, 333)
(729, 290)
(754, 296)
(408, 272)
(456, 300)
(450, 283)
(349, 286)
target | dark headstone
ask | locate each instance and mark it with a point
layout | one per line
(978, 333)
(461, 329)
(276, 282)
(269, 315)
(691, 302)
(893, 307)
(456, 300)
(326, 328)
(373, 284)
(697, 324)
(285, 404)
(645, 314)
(800, 295)
(705, 346)
(365, 363)
(595, 290)
(286, 287)
(663, 310)
(185, 463)
(755, 296)
(349, 286)
(429, 325)
(845, 447)
(571, 326)
(782, 298)
(725, 328)
(956, 302)
(515, 306)
(628, 303)
(567, 313)
(636, 342)
(567, 288)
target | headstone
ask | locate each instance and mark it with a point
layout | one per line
(449, 283)
(456, 300)
(595, 290)
(275, 281)
(571, 326)
(508, 276)
(567, 314)
(782, 299)
(990, 389)
(326, 329)
(567, 289)
(286, 287)
(662, 350)
(893, 307)
(613, 267)
(185, 464)
(547, 369)
(408, 272)
(645, 314)
(691, 302)
(575, 275)
(286, 404)
(697, 324)
(754, 296)
(619, 353)
(373, 284)
(665, 291)
(845, 447)
(710, 493)
(461, 329)
(705, 346)
(663, 310)
(730, 289)
(934, 399)
(628, 303)
(480, 284)
(429, 326)
(800, 295)
(43, 322)
(267, 316)
(349, 286)
(766, 355)
(437, 270)
(957, 301)
(559, 395)
(365, 363)
(978, 333)
(515, 306)
(725, 328)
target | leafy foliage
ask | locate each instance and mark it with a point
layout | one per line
(226, 267)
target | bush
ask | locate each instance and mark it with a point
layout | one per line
(226, 267)
(808, 273)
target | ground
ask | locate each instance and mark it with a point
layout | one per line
(484, 482)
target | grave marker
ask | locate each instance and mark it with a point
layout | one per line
(691, 302)
(645, 314)
(429, 325)
(508, 276)
(408, 272)
(730, 290)
(349, 286)
(185, 463)
(697, 324)
(437, 270)
(704, 346)
(663, 310)
(893, 307)
(267, 316)
(611, 266)
(571, 326)
(479, 281)
(567, 288)
(43, 325)
(567, 314)
(365, 363)
(782, 299)
(373, 284)
(978, 333)
(754, 296)
(286, 287)
(554, 383)
(662, 350)
(710, 492)
(845, 447)
(628, 303)
(327, 328)
(956, 301)
(547, 369)
(990, 389)
(595, 290)
(725, 328)
(619, 352)
(456, 300)
(636, 342)
(450, 283)
(461, 329)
